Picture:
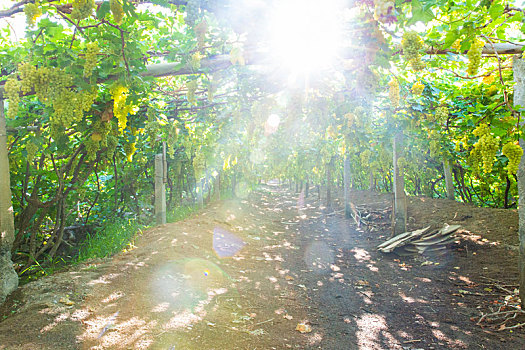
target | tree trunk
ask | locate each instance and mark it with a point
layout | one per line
(8, 276)
(400, 204)
(371, 181)
(449, 182)
(346, 182)
(519, 99)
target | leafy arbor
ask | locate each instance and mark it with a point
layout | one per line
(96, 87)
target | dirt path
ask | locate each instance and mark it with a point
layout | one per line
(295, 263)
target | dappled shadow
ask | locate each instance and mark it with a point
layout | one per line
(275, 270)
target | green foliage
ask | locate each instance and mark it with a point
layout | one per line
(116, 235)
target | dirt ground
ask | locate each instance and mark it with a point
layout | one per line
(253, 273)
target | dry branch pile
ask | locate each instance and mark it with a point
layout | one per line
(425, 240)
(375, 219)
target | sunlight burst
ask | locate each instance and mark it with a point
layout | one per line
(305, 35)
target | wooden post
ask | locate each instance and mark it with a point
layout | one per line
(307, 188)
(346, 182)
(160, 190)
(8, 276)
(449, 182)
(519, 100)
(400, 201)
(329, 183)
(200, 193)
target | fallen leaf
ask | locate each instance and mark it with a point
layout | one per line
(66, 301)
(362, 283)
(303, 328)
(335, 268)
(288, 278)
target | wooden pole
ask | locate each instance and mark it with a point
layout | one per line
(160, 190)
(400, 204)
(347, 181)
(449, 182)
(519, 100)
(329, 184)
(8, 276)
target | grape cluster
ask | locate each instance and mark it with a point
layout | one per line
(412, 45)
(441, 113)
(92, 51)
(481, 130)
(82, 9)
(32, 12)
(111, 144)
(117, 10)
(474, 56)
(417, 88)
(153, 130)
(195, 61)
(200, 31)
(130, 149)
(12, 88)
(456, 45)
(190, 94)
(485, 148)
(350, 119)
(365, 157)
(92, 147)
(513, 152)
(52, 87)
(331, 132)
(120, 93)
(31, 149)
(493, 90)
(384, 11)
(393, 92)
(70, 105)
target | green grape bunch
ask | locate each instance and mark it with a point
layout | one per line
(192, 87)
(365, 157)
(441, 113)
(82, 9)
(92, 50)
(32, 12)
(393, 93)
(435, 148)
(485, 148)
(417, 88)
(412, 46)
(513, 152)
(474, 56)
(117, 10)
(31, 149)
(13, 87)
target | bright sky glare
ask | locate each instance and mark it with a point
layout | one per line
(304, 35)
